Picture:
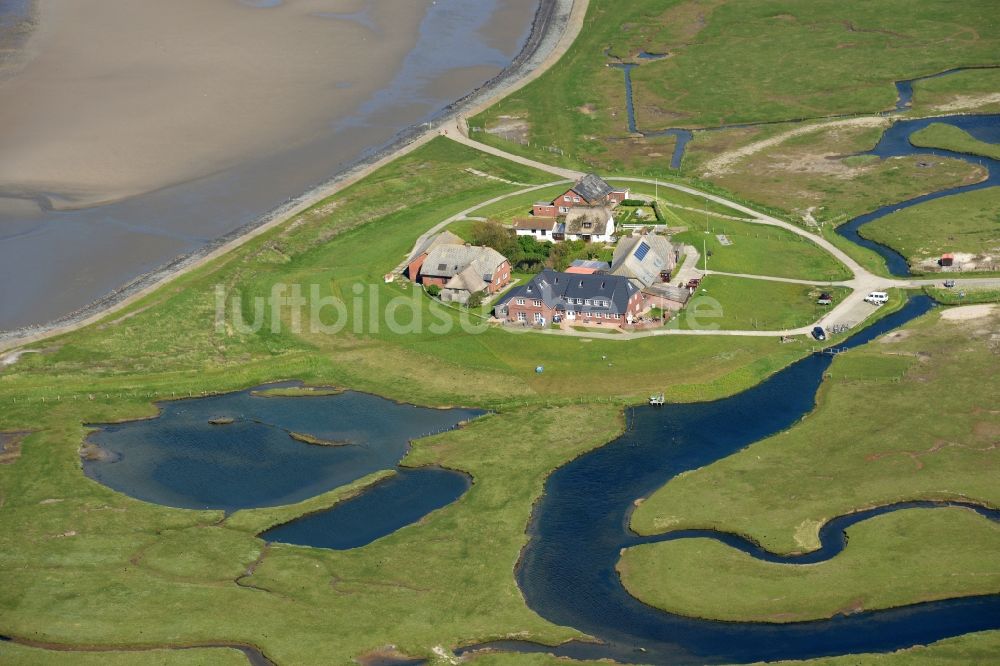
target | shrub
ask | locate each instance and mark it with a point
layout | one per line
(433, 290)
(475, 300)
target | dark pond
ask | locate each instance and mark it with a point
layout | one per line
(380, 510)
(179, 459)
(567, 570)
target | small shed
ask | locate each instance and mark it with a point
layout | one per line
(947, 259)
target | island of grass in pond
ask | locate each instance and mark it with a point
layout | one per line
(179, 460)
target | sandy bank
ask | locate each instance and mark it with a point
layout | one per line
(967, 312)
(120, 97)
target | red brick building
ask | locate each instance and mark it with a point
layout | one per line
(588, 299)
(591, 190)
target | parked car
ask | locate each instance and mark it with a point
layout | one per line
(877, 298)
(824, 299)
(819, 333)
(949, 284)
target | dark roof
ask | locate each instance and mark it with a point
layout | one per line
(592, 187)
(535, 223)
(554, 289)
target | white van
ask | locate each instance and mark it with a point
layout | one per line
(877, 298)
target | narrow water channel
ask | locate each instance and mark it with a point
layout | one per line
(567, 570)
(895, 142)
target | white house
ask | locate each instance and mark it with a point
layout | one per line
(547, 229)
(595, 225)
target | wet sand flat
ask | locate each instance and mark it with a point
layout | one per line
(116, 205)
(120, 97)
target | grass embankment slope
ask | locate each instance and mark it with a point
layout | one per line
(768, 61)
(948, 137)
(967, 223)
(909, 416)
(86, 557)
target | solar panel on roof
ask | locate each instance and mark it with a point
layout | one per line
(640, 253)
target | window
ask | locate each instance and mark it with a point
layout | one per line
(643, 250)
(520, 301)
(538, 317)
(521, 316)
(576, 199)
(570, 313)
(542, 232)
(587, 302)
(598, 315)
(537, 303)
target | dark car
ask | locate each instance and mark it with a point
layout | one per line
(819, 333)
(949, 283)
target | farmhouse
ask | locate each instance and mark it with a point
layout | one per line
(594, 225)
(591, 190)
(547, 229)
(644, 259)
(458, 268)
(594, 298)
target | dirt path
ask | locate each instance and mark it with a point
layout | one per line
(725, 162)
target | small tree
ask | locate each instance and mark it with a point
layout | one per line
(475, 300)
(495, 235)
(433, 290)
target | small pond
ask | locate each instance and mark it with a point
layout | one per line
(180, 459)
(379, 510)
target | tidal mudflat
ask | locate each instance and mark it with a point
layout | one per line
(133, 132)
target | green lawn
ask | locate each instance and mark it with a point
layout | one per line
(756, 249)
(967, 223)
(949, 137)
(746, 303)
(952, 548)
(873, 440)
(520, 205)
(679, 198)
(462, 228)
